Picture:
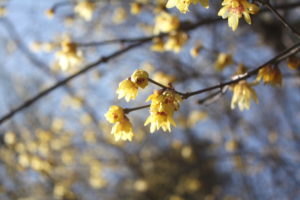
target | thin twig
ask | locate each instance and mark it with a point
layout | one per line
(128, 110)
(279, 17)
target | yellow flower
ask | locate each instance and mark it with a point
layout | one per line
(183, 5)
(293, 62)
(140, 78)
(135, 8)
(235, 9)
(242, 95)
(222, 61)
(270, 75)
(114, 114)
(69, 56)
(175, 41)
(85, 9)
(122, 130)
(162, 108)
(127, 89)
(166, 23)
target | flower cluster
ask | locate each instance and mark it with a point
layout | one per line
(129, 87)
(165, 23)
(122, 128)
(163, 105)
(232, 9)
(68, 56)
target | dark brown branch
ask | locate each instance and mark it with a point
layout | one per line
(279, 17)
(283, 55)
(66, 80)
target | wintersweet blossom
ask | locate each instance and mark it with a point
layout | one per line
(127, 89)
(235, 9)
(122, 129)
(270, 75)
(163, 105)
(242, 95)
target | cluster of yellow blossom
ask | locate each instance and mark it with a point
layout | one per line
(270, 75)
(163, 105)
(129, 87)
(176, 40)
(122, 128)
(85, 9)
(69, 56)
(183, 5)
(232, 9)
(165, 23)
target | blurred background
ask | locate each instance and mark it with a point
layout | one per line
(61, 146)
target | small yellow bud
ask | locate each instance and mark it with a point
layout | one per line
(140, 78)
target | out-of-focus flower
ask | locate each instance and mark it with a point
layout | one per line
(235, 9)
(175, 41)
(164, 78)
(50, 13)
(85, 9)
(242, 95)
(223, 61)
(183, 5)
(122, 129)
(3, 11)
(135, 8)
(140, 78)
(165, 23)
(119, 15)
(68, 56)
(270, 75)
(293, 62)
(162, 108)
(127, 89)
(158, 45)
(194, 52)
